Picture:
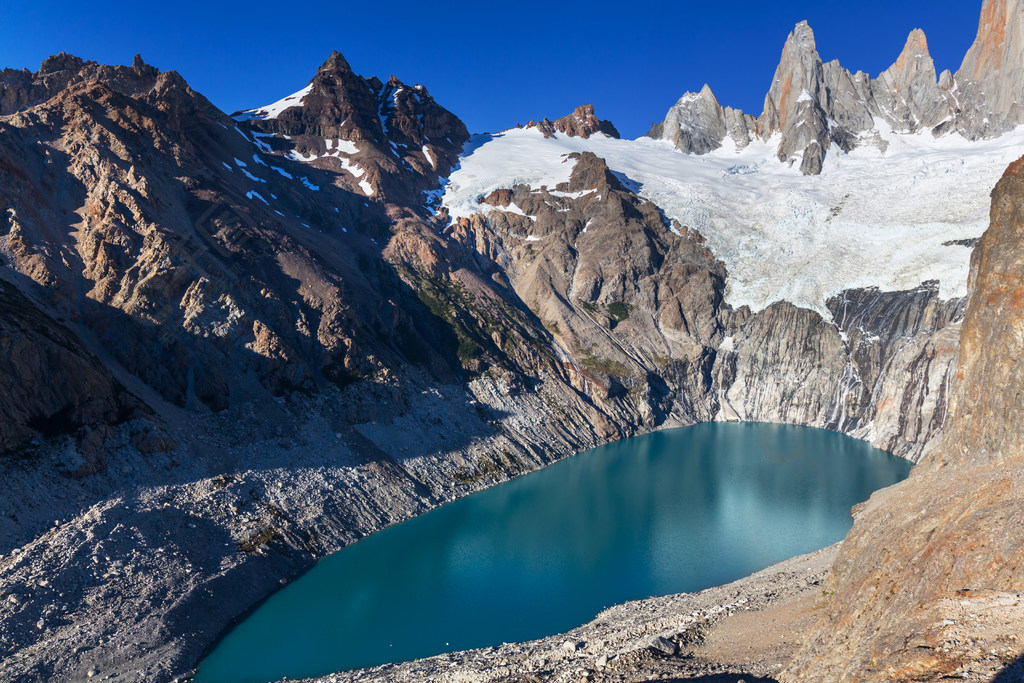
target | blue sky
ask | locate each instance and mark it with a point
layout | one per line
(493, 65)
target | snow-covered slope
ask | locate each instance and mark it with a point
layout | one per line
(885, 215)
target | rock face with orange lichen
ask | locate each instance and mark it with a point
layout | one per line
(951, 533)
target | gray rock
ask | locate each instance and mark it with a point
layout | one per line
(663, 645)
(697, 124)
(793, 104)
(907, 94)
(814, 105)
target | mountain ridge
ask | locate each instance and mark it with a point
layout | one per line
(813, 105)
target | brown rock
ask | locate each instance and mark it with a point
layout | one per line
(580, 123)
(49, 383)
(956, 523)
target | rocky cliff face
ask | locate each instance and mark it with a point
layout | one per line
(636, 306)
(388, 140)
(989, 80)
(812, 105)
(52, 385)
(946, 542)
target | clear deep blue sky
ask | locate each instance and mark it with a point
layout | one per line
(493, 65)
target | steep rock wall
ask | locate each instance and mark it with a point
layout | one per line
(950, 534)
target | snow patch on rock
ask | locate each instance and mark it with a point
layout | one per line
(272, 111)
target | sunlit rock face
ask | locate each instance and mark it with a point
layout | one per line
(947, 541)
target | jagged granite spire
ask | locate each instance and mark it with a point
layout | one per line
(695, 125)
(793, 105)
(698, 124)
(991, 77)
(814, 105)
(908, 92)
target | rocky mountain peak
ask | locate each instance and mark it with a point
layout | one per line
(582, 122)
(908, 92)
(999, 39)
(386, 140)
(695, 124)
(915, 51)
(335, 63)
(707, 93)
(801, 38)
(21, 89)
(792, 104)
(812, 105)
(61, 61)
(797, 79)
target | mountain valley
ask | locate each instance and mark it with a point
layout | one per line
(239, 343)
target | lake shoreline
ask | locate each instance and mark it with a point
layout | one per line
(691, 634)
(315, 479)
(677, 511)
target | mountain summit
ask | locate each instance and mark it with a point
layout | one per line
(812, 105)
(388, 138)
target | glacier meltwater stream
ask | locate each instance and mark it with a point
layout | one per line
(670, 512)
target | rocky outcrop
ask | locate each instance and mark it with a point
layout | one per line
(812, 106)
(51, 385)
(626, 301)
(792, 105)
(909, 93)
(949, 535)
(581, 123)
(698, 124)
(637, 307)
(902, 349)
(23, 89)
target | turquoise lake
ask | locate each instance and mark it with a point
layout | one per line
(674, 511)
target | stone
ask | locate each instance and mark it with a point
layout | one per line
(580, 123)
(991, 77)
(663, 645)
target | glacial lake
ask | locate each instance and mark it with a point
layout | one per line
(674, 511)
